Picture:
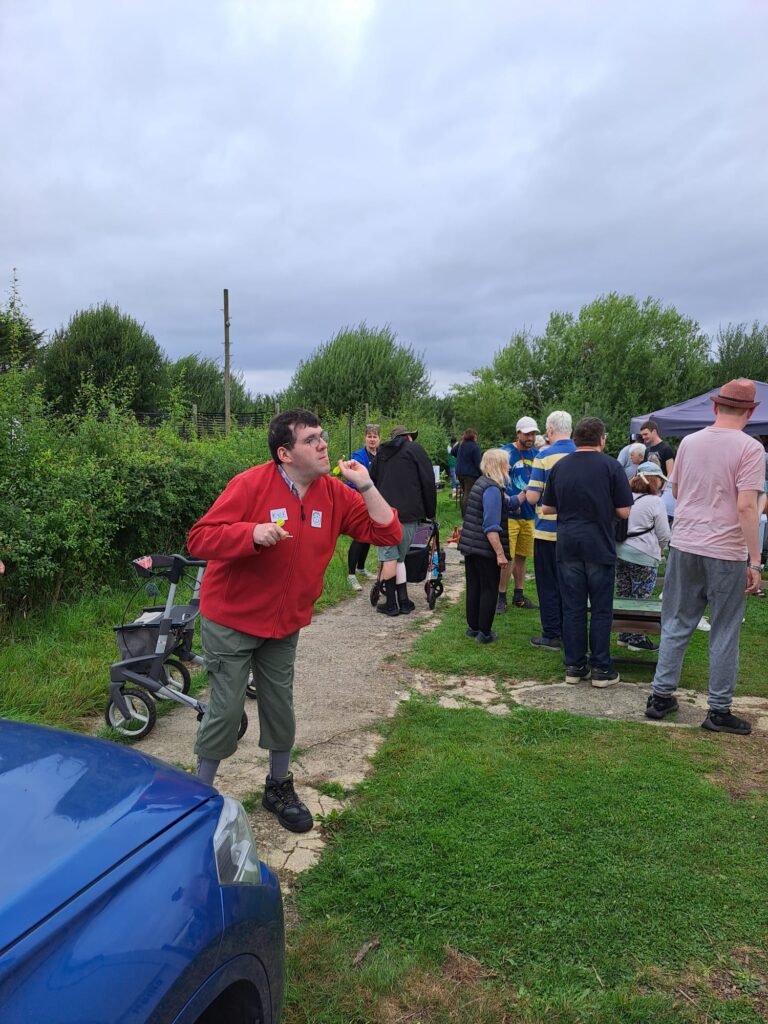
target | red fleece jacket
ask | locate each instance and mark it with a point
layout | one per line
(271, 591)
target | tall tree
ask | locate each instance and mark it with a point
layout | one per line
(200, 380)
(19, 341)
(618, 358)
(359, 365)
(741, 353)
(107, 351)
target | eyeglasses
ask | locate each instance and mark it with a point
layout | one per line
(314, 439)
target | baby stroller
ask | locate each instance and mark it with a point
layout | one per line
(154, 648)
(424, 562)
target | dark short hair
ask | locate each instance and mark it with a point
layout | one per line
(469, 435)
(588, 432)
(281, 429)
(650, 425)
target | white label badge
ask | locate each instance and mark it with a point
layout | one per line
(277, 513)
(317, 518)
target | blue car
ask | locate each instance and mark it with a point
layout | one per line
(129, 891)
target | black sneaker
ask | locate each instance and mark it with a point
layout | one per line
(576, 673)
(657, 706)
(525, 602)
(280, 798)
(603, 679)
(724, 721)
(642, 645)
(486, 638)
(548, 643)
(472, 633)
(501, 604)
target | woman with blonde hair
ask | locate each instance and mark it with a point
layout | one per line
(485, 543)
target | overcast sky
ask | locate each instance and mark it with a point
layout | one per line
(455, 170)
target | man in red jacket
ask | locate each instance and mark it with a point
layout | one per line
(268, 539)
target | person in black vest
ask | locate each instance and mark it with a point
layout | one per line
(485, 543)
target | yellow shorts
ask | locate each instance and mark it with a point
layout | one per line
(521, 537)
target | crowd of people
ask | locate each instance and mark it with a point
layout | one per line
(593, 525)
(600, 527)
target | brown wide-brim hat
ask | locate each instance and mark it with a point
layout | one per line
(738, 394)
(401, 432)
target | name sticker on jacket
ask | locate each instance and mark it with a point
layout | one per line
(277, 513)
(317, 518)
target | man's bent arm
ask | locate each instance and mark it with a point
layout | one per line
(746, 508)
(379, 510)
(623, 513)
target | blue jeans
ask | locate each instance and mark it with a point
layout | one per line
(581, 582)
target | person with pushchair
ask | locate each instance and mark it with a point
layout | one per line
(403, 472)
(268, 539)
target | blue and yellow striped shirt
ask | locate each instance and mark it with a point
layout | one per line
(546, 526)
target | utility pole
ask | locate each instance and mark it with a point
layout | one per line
(227, 403)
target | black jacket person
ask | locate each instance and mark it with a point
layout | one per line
(403, 474)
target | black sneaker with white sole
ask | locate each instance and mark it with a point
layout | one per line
(280, 798)
(603, 678)
(657, 707)
(724, 721)
(577, 673)
(646, 644)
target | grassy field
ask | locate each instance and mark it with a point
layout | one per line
(539, 867)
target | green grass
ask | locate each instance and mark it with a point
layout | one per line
(446, 649)
(594, 867)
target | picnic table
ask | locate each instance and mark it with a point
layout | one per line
(637, 616)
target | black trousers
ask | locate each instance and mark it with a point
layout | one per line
(356, 556)
(467, 483)
(482, 576)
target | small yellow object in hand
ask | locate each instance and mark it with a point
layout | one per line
(280, 522)
(336, 471)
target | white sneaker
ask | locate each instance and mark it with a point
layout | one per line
(703, 625)
(366, 574)
(353, 582)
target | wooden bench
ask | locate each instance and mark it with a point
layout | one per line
(642, 616)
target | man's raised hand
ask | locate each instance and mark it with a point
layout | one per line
(354, 472)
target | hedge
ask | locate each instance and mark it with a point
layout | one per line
(82, 497)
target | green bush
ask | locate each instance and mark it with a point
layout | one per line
(84, 496)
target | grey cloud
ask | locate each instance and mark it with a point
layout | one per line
(458, 172)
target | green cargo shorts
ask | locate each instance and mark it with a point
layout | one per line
(229, 658)
(397, 552)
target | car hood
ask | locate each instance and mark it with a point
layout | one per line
(71, 807)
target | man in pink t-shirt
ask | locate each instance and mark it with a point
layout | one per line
(714, 554)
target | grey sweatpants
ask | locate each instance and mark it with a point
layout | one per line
(229, 657)
(690, 583)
